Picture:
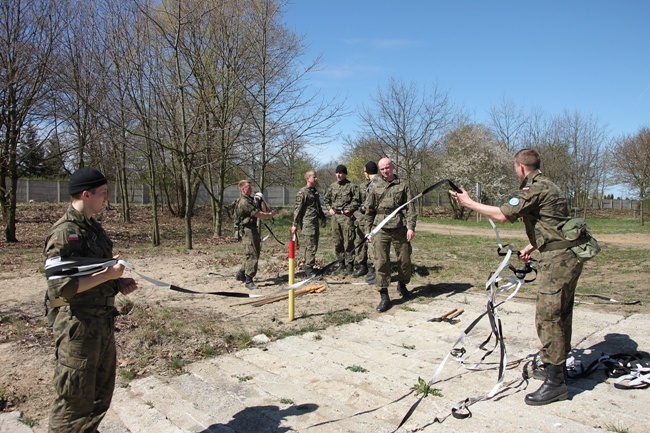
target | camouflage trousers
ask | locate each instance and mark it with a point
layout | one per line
(309, 236)
(363, 253)
(559, 271)
(84, 373)
(343, 234)
(381, 243)
(252, 246)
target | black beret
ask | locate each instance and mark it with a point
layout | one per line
(341, 169)
(85, 179)
(371, 167)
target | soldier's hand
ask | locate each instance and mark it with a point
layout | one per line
(347, 213)
(126, 285)
(113, 272)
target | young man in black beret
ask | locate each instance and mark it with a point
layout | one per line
(81, 310)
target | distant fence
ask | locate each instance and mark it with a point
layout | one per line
(57, 191)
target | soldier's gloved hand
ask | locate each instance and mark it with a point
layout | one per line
(259, 195)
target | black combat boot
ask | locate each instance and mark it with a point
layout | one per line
(384, 304)
(403, 291)
(363, 270)
(339, 268)
(309, 271)
(250, 285)
(240, 276)
(539, 372)
(371, 276)
(553, 389)
(349, 269)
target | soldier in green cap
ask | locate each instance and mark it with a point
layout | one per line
(542, 207)
(81, 310)
(308, 216)
(342, 200)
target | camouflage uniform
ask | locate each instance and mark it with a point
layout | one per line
(245, 208)
(543, 208)
(306, 215)
(339, 196)
(364, 253)
(84, 373)
(383, 199)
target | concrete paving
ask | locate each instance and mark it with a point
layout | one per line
(357, 378)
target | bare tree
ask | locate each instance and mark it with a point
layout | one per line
(408, 123)
(29, 31)
(631, 164)
(79, 88)
(582, 138)
(219, 64)
(284, 110)
(176, 23)
(508, 124)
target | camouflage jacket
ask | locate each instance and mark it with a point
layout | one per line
(74, 235)
(245, 209)
(342, 195)
(307, 208)
(383, 198)
(542, 207)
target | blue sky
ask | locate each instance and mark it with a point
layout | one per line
(587, 56)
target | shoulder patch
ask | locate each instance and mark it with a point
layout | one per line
(513, 201)
(73, 237)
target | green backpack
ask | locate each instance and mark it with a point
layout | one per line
(585, 246)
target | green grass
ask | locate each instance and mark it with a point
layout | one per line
(244, 378)
(356, 369)
(29, 422)
(423, 388)
(616, 428)
(344, 317)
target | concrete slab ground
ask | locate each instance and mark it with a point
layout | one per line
(358, 378)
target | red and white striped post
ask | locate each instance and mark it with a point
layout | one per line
(292, 270)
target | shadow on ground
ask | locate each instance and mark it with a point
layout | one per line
(260, 419)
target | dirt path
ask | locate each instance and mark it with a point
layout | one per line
(617, 239)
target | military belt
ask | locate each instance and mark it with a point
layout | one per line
(563, 245)
(101, 302)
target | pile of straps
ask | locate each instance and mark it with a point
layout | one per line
(631, 371)
(495, 285)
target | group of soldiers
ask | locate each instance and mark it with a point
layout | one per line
(82, 306)
(353, 210)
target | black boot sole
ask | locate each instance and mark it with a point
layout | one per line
(561, 397)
